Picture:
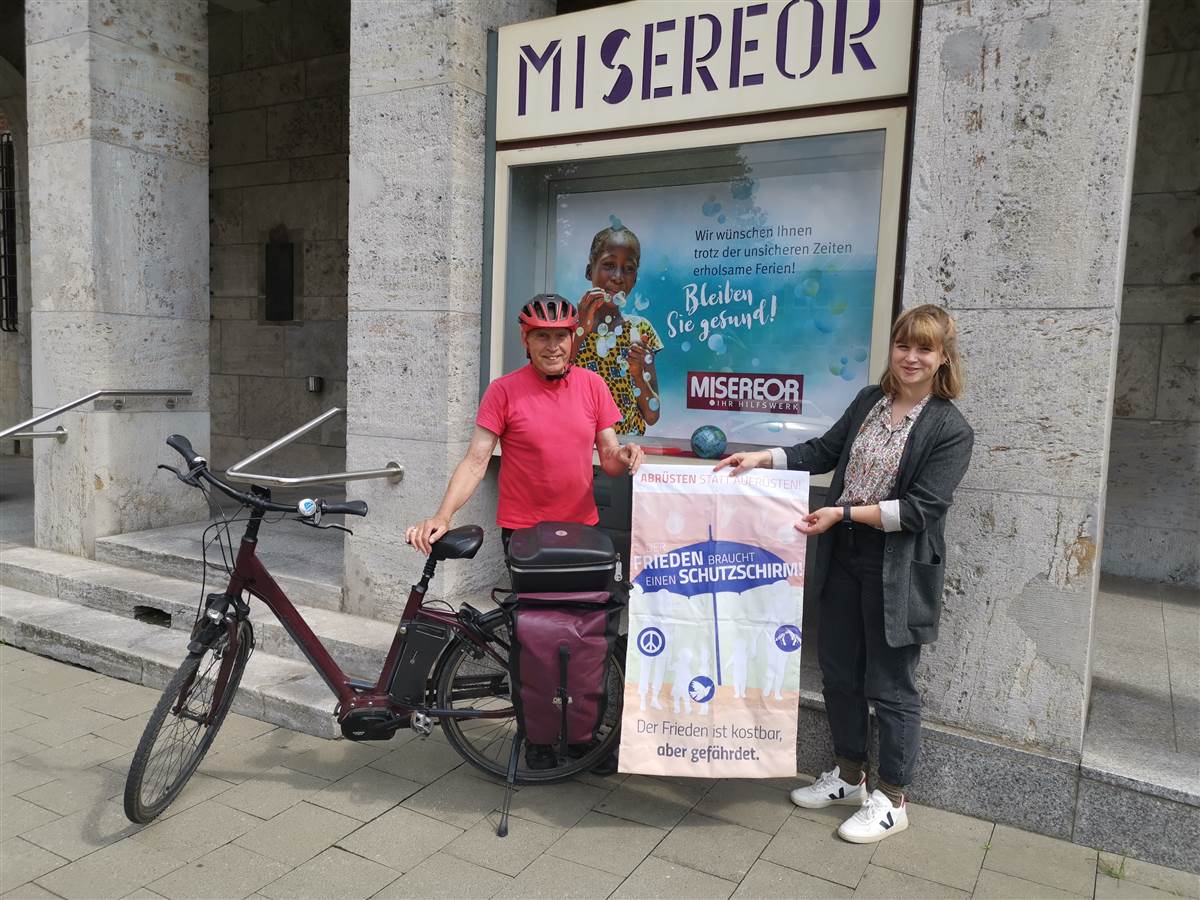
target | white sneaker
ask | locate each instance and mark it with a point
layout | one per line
(876, 820)
(830, 790)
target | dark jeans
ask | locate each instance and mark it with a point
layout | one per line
(505, 537)
(857, 664)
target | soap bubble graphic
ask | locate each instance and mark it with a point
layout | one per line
(755, 362)
(716, 343)
(602, 329)
(838, 306)
(823, 325)
(607, 319)
(711, 206)
(848, 374)
(619, 300)
(708, 442)
(860, 354)
(743, 188)
(637, 392)
(685, 346)
(653, 403)
(619, 330)
(640, 303)
(579, 331)
(811, 286)
(615, 222)
(664, 263)
(721, 219)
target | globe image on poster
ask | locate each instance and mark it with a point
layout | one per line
(708, 442)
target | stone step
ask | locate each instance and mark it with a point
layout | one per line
(281, 691)
(359, 645)
(306, 563)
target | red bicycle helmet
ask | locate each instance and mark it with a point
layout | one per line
(548, 311)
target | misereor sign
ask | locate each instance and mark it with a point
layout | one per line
(653, 62)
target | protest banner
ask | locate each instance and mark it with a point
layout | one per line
(713, 667)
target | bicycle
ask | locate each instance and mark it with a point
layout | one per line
(443, 667)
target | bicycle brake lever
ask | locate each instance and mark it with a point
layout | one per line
(312, 524)
(186, 479)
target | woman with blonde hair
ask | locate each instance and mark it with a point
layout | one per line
(897, 453)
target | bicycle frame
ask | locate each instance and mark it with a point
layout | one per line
(251, 576)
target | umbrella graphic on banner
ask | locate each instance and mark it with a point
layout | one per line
(711, 573)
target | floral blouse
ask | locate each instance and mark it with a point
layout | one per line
(875, 460)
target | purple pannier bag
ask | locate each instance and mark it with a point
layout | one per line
(558, 663)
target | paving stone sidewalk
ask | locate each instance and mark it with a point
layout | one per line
(273, 813)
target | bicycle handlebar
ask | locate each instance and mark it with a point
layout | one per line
(183, 446)
(198, 468)
(349, 508)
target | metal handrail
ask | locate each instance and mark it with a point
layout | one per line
(392, 471)
(60, 433)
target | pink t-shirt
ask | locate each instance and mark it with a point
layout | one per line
(547, 431)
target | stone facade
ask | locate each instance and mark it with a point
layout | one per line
(1152, 526)
(1017, 224)
(118, 151)
(278, 110)
(1018, 221)
(416, 260)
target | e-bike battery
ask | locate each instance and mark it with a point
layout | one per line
(423, 645)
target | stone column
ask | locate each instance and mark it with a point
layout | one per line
(1024, 135)
(417, 111)
(118, 148)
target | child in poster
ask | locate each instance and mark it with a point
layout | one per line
(613, 341)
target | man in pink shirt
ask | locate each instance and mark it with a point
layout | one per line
(547, 417)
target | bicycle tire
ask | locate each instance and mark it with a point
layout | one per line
(176, 760)
(487, 743)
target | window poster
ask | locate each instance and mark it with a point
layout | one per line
(727, 303)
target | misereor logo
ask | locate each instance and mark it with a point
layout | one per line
(745, 392)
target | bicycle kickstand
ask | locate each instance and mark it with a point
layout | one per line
(509, 782)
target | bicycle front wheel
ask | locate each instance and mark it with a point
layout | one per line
(183, 725)
(470, 680)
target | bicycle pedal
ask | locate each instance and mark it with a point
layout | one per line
(422, 724)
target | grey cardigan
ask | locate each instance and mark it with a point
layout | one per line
(914, 561)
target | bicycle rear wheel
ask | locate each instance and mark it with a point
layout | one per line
(467, 679)
(183, 726)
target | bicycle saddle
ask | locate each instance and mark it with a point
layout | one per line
(458, 543)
